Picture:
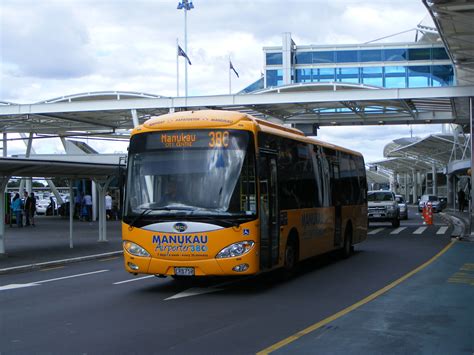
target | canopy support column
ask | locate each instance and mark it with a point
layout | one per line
(102, 186)
(71, 212)
(3, 185)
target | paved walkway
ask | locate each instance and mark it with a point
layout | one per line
(48, 241)
(429, 313)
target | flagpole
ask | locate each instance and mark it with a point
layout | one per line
(186, 50)
(177, 69)
(230, 79)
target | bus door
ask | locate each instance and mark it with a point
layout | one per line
(269, 224)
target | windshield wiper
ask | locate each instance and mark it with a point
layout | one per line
(140, 216)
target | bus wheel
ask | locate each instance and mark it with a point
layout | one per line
(291, 254)
(348, 248)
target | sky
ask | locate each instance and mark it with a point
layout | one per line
(53, 48)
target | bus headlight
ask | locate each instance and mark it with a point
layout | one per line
(134, 249)
(236, 249)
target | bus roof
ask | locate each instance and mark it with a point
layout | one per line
(222, 118)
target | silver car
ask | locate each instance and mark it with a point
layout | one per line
(402, 206)
(435, 203)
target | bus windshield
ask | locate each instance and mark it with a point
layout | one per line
(193, 172)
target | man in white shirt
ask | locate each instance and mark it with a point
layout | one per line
(108, 205)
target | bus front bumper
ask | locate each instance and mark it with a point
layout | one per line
(243, 265)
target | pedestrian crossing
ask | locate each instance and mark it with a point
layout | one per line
(416, 230)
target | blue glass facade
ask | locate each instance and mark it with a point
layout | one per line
(388, 76)
(413, 66)
(368, 55)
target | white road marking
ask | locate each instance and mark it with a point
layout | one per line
(14, 286)
(420, 230)
(195, 291)
(37, 283)
(398, 230)
(442, 230)
(71, 276)
(135, 279)
(375, 231)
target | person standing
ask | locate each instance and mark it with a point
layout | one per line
(30, 210)
(108, 205)
(17, 208)
(51, 206)
(27, 208)
(77, 205)
(87, 202)
(461, 200)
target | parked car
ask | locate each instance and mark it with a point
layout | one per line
(42, 206)
(402, 207)
(435, 203)
(383, 207)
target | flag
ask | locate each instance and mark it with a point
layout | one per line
(231, 67)
(183, 54)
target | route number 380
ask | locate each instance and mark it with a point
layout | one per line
(219, 139)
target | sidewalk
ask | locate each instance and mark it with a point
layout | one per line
(428, 313)
(461, 222)
(48, 242)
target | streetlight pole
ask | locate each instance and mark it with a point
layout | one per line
(185, 5)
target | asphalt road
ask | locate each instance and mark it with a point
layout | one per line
(97, 308)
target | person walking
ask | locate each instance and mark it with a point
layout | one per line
(461, 200)
(108, 205)
(17, 208)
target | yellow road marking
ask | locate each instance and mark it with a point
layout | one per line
(345, 311)
(52, 268)
(108, 259)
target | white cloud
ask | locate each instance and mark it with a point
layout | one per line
(54, 48)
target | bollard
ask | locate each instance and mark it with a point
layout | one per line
(429, 214)
(424, 214)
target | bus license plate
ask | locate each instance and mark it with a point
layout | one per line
(184, 271)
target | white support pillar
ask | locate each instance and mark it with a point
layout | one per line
(135, 118)
(94, 200)
(3, 185)
(71, 212)
(5, 145)
(407, 191)
(287, 49)
(102, 186)
(414, 186)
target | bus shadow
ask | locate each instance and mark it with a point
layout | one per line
(248, 285)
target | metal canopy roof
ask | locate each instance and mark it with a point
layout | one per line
(437, 149)
(422, 154)
(45, 168)
(104, 113)
(454, 21)
(402, 165)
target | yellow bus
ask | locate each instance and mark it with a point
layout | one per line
(223, 193)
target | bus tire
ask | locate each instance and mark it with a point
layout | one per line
(347, 249)
(291, 253)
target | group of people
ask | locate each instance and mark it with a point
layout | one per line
(83, 207)
(20, 207)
